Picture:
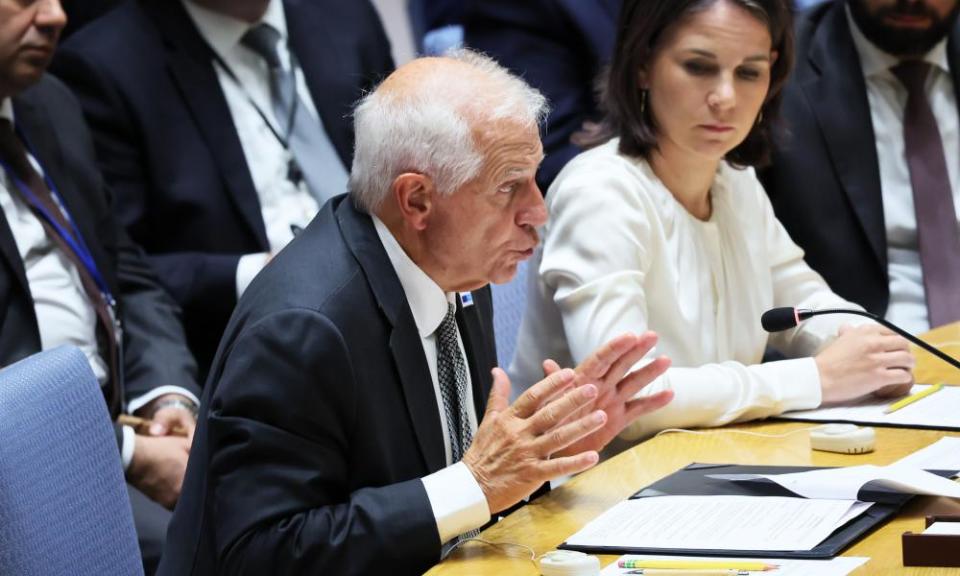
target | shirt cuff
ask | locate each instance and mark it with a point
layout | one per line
(457, 501)
(126, 450)
(247, 269)
(141, 401)
(799, 382)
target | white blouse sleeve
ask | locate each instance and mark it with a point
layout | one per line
(596, 257)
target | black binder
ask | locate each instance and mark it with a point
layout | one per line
(693, 480)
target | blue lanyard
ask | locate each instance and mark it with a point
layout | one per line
(75, 240)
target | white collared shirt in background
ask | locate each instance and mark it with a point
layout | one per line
(887, 98)
(283, 204)
(64, 312)
(456, 498)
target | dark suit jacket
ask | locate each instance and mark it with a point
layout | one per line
(319, 418)
(824, 182)
(155, 350)
(82, 12)
(425, 15)
(559, 47)
(168, 147)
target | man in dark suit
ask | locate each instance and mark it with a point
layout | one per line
(222, 126)
(864, 174)
(82, 12)
(344, 428)
(70, 275)
(559, 47)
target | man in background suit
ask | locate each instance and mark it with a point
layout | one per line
(865, 173)
(344, 428)
(82, 12)
(222, 126)
(559, 47)
(70, 275)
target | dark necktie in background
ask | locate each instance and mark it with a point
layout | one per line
(14, 155)
(938, 236)
(312, 151)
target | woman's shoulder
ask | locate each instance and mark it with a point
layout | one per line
(740, 184)
(603, 172)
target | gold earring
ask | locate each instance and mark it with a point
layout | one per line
(643, 102)
(760, 118)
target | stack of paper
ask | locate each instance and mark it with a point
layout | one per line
(940, 410)
(944, 454)
(907, 475)
(718, 523)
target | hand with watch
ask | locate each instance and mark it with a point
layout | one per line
(171, 414)
(160, 456)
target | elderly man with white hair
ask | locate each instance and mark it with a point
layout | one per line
(354, 420)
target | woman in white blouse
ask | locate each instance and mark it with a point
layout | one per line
(665, 227)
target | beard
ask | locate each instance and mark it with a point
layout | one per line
(902, 41)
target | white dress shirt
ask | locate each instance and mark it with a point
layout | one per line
(888, 100)
(284, 205)
(456, 498)
(620, 254)
(63, 310)
(64, 314)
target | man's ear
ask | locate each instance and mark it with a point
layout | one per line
(414, 194)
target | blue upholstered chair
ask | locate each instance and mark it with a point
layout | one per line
(509, 301)
(64, 508)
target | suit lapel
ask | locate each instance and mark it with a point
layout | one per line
(190, 61)
(8, 245)
(953, 59)
(846, 124)
(321, 56)
(10, 253)
(361, 237)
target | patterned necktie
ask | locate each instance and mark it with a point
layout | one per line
(14, 155)
(452, 376)
(314, 155)
(938, 237)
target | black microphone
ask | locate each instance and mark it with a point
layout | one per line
(779, 319)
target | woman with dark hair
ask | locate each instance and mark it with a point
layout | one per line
(665, 227)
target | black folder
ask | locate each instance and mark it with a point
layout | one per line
(693, 480)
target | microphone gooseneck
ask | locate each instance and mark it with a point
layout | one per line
(779, 319)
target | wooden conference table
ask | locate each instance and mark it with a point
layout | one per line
(548, 521)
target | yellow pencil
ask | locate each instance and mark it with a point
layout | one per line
(913, 398)
(698, 572)
(696, 564)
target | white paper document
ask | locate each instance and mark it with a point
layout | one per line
(939, 410)
(945, 528)
(944, 454)
(716, 523)
(840, 566)
(845, 483)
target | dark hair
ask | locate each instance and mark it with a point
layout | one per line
(641, 26)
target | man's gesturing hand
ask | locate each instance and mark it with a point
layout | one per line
(510, 453)
(608, 369)
(558, 425)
